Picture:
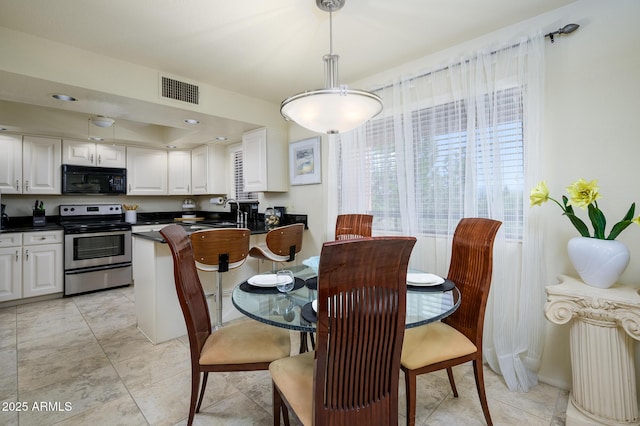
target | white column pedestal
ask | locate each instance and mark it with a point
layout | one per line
(603, 324)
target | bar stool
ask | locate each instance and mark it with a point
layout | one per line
(218, 250)
(282, 244)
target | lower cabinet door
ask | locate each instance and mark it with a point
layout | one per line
(42, 270)
(10, 273)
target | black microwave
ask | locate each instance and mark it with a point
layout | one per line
(93, 180)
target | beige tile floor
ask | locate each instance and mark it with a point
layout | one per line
(81, 361)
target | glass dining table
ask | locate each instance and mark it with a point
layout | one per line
(294, 310)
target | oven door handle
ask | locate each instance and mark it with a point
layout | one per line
(96, 268)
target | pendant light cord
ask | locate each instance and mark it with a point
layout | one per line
(331, 32)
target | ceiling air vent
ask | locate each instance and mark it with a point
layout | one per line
(179, 90)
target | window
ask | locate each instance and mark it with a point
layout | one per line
(238, 177)
(441, 163)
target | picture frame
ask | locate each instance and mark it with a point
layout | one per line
(305, 166)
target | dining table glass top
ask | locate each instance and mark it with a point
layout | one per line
(293, 310)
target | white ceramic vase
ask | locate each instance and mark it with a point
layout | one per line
(598, 262)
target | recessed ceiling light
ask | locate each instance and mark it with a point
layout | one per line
(221, 138)
(171, 146)
(2, 129)
(191, 121)
(95, 138)
(65, 98)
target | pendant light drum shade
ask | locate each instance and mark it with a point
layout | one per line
(331, 110)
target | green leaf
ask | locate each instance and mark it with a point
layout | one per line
(575, 220)
(597, 220)
(622, 225)
(618, 228)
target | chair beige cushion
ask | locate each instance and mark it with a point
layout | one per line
(294, 377)
(432, 343)
(245, 342)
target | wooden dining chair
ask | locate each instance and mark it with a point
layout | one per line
(353, 226)
(352, 377)
(281, 245)
(458, 338)
(219, 250)
(243, 346)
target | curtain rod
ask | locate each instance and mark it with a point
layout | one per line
(567, 29)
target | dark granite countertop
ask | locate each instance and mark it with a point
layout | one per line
(25, 224)
(212, 219)
(192, 227)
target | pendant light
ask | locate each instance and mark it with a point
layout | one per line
(336, 108)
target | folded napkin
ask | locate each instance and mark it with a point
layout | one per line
(423, 279)
(312, 262)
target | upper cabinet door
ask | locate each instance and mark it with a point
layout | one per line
(10, 164)
(179, 172)
(265, 161)
(78, 153)
(208, 171)
(146, 171)
(254, 160)
(41, 160)
(111, 155)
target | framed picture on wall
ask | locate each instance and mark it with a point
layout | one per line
(304, 161)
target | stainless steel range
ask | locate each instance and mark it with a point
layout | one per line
(97, 247)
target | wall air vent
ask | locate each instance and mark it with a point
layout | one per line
(179, 90)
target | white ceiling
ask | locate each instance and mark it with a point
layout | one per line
(264, 49)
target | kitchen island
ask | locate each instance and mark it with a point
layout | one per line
(158, 312)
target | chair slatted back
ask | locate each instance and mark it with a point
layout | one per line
(188, 287)
(353, 226)
(471, 269)
(361, 320)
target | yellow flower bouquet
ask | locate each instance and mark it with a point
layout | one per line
(584, 194)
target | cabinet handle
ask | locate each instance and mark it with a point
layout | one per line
(91, 158)
(188, 189)
(17, 185)
(26, 253)
(17, 255)
(26, 186)
(99, 159)
(129, 187)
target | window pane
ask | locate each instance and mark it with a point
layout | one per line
(441, 160)
(238, 178)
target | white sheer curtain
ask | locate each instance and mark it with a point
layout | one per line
(461, 141)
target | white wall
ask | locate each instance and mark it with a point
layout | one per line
(592, 94)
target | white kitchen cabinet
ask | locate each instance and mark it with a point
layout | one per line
(93, 154)
(179, 172)
(10, 164)
(265, 161)
(41, 161)
(30, 165)
(10, 266)
(146, 171)
(32, 264)
(208, 170)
